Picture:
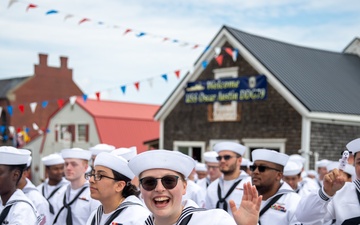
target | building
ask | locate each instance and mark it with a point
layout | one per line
(312, 105)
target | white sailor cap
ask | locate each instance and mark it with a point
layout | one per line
(245, 162)
(95, 150)
(211, 157)
(162, 159)
(298, 159)
(312, 173)
(349, 169)
(354, 146)
(230, 146)
(114, 162)
(13, 156)
(126, 153)
(52, 159)
(270, 156)
(322, 163)
(292, 168)
(200, 167)
(76, 153)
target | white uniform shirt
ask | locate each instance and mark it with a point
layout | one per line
(81, 209)
(45, 189)
(41, 204)
(306, 186)
(236, 195)
(201, 216)
(282, 212)
(20, 212)
(317, 207)
(133, 214)
(194, 192)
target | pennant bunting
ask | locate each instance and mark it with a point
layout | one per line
(217, 51)
(10, 110)
(35, 126)
(47, 130)
(137, 85)
(97, 96)
(219, 59)
(27, 129)
(84, 20)
(40, 132)
(44, 104)
(72, 100)
(85, 97)
(127, 31)
(30, 6)
(140, 34)
(195, 46)
(60, 102)
(165, 77)
(235, 54)
(33, 106)
(123, 89)
(21, 108)
(51, 12)
(204, 64)
(184, 44)
(229, 51)
(166, 39)
(175, 41)
(151, 82)
(11, 2)
(2, 129)
(18, 130)
(1, 110)
(68, 16)
(11, 130)
(177, 73)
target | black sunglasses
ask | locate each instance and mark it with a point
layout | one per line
(262, 168)
(150, 183)
(226, 157)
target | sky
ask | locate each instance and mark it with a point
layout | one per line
(104, 58)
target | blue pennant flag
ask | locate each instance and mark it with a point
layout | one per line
(204, 64)
(165, 77)
(10, 110)
(52, 12)
(44, 104)
(85, 97)
(123, 89)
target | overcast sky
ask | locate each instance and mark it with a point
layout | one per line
(103, 59)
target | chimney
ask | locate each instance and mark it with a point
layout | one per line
(43, 59)
(63, 62)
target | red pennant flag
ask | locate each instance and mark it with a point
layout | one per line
(229, 51)
(30, 6)
(83, 20)
(60, 102)
(21, 107)
(219, 59)
(195, 46)
(127, 31)
(165, 39)
(137, 85)
(18, 130)
(177, 73)
(97, 95)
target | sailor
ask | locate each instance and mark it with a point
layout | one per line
(337, 200)
(76, 205)
(321, 170)
(95, 150)
(213, 172)
(163, 176)
(230, 185)
(55, 183)
(110, 183)
(279, 200)
(29, 189)
(348, 172)
(15, 207)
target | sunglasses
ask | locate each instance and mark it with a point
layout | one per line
(150, 183)
(226, 157)
(262, 168)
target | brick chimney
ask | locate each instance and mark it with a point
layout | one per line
(43, 59)
(63, 62)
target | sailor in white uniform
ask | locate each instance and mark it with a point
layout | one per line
(15, 207)
(230, 185)
(95, 150)
(76, 205)
(110, 183)
(163, 176)
(279, 200)
(213, 172)
(337, 201)
(55, 183)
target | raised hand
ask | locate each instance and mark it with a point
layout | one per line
(248, 212)
(333, 182)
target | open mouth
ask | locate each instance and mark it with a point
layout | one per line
(161, 201)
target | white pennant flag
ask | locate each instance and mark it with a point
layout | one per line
(35, 126)
(217, 51)
(0, 110)
(151, 81)
(234, 54)
(72, 100)
(11, 130)
(33, 106)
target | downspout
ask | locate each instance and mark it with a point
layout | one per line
(305, 141)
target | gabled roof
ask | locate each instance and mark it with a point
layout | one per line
(7, 85)
(322, 81)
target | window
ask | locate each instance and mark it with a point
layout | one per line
(194, 149)
(82, 132)
(273, 144)
(69, 133)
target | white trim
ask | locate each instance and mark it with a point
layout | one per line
(190, 144)
(212, 142)
(305, 141)
(265, 143)
(161, 135)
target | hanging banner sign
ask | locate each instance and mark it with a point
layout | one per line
(225, 90)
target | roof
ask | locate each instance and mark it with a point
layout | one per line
(7, 85)
(123, 124)
(323, 81)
